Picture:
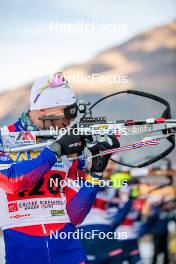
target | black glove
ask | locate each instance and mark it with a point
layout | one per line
(68, 144)
(99, 163)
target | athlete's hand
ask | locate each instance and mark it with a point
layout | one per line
(99, 163)
(68, 144)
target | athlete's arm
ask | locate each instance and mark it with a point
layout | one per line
(15, 177)
(80, 200)
(22, 175)
(151, 219)
(80, 204)
(121, 214)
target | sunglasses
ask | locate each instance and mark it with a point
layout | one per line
(70, 112)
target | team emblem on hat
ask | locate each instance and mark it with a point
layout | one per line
(56, 80)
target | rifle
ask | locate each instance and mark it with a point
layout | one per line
(99, 128)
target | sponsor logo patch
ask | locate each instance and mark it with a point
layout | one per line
(13, 207)
(57, 212)
(18, 216)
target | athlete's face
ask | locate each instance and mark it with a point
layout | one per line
(55, 111)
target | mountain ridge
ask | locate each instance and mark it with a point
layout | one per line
(146, 62)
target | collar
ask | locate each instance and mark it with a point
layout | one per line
(26, 122)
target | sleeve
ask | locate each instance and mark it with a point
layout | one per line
(80, 204)
(145, 228)
(80, 199)
(22, 175)
(121, 214)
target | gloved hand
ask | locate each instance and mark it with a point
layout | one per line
(99, 163)
(68, 144)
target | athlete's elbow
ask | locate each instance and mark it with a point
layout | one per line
(77, 216)
(77, 219)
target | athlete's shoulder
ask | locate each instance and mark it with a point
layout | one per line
(17, 126)
(4, 159)
(12, 127)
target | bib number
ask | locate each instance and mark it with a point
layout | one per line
(49, 186)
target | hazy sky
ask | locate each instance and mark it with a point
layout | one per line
(29, 48)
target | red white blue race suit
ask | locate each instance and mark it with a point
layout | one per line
(32, 208)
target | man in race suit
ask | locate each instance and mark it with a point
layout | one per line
(35, 209)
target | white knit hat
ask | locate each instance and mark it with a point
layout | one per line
(51, 92)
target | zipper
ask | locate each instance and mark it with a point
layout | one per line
(47, 244)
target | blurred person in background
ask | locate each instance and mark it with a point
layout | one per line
(159, 209)
(104, 217)
(131, 224)
(162, 212)
(31, 207)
